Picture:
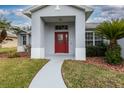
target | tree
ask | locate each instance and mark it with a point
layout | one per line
(4, 25)
(3, 35)
(111, 30)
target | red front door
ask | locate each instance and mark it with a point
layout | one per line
(61, 42)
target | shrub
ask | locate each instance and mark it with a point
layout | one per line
(28, 49)
(113, 56)
(90, 51)
(13, 55)
(93, 51)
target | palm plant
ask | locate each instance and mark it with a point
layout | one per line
(111, 30)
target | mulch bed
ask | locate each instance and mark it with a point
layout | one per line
(100, 61)
(3, 55)
(24, 54)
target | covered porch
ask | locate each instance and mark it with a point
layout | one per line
(60, 36)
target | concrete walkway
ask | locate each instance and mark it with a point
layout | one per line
(50, 75)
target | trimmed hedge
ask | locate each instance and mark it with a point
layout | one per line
(113, 56)
(96, 51)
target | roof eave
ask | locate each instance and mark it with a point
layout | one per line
(27, 14)
(88, 10)
(88, 14)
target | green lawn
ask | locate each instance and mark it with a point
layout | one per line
(7, 50)
(80, 75)
(18, 72)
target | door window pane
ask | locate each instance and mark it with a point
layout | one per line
(60, 38)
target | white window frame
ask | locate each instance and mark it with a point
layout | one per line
(94, 40)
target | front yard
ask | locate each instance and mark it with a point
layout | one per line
(18, 72)
(79, 74)
(7, 50)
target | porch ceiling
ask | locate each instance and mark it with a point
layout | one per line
(59, 19)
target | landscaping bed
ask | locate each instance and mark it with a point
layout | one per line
(100, 61)
(20, 54)
(93, 73)
(18, 72)
(12, 53)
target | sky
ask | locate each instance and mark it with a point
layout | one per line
(14, 14)
(101, 13)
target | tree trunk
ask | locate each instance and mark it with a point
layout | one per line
(113, 43)
(0, 45)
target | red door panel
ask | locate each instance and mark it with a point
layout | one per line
(61, 42)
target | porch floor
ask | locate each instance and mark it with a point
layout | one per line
(60, 57)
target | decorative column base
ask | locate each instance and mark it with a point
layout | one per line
(37, 53)
(80, 54)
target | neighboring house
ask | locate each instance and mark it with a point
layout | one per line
(24, 38)
(60, 30)
(10, 41)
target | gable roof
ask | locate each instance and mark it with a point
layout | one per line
(88, 10)
(25, 32)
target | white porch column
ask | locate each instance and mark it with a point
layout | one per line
(80, 50)
(37, 48)
(20, 47)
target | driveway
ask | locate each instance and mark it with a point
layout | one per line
(50, 75)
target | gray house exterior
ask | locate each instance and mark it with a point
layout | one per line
(45, 18)
(62, 30)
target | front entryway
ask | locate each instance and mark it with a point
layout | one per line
(61, 42)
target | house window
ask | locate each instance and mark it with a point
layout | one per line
(61, 27)
(98, 40)
(92, 39)
(89, 38)
(24, 39)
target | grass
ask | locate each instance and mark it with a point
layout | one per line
(18, 73)
(81, 75)
(7, 50)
